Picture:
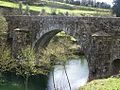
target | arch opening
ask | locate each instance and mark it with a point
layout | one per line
(62, 44)
(116, 67)
(46, 38)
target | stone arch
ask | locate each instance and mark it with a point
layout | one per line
(79, 30)
(47, 30)
(45, 38)
(116, 66)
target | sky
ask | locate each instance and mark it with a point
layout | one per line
(107, 1)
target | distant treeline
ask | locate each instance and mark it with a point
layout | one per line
(91, 3)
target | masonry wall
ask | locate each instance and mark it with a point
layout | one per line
(99, 37)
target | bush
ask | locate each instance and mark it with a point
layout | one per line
(3, 25)
(60, 13)
(43, 12)
(53, 12)
(3, 31)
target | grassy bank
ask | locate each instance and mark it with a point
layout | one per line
(103, 84)
(72, 9)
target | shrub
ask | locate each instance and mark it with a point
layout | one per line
(60, 13)
(3, 31)
(43, 12)
(53, 12)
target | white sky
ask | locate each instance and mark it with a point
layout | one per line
(107, 1)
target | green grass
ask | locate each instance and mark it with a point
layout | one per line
(103, 84)
(81, 10)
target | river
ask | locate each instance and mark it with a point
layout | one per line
(77, 71)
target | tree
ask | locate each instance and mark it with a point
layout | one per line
(116, 7)
(20, 8)
(28, 65)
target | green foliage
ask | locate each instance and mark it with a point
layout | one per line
(60, 13)
(58, 50)
(29, 63)
(26, 62)
(5, 55)
(27, 10)
(103, 84)
(6, 61)
(43, 12)
(3, 34)
(53, 11)
(3, 25)
(20, 8)
(26, 65)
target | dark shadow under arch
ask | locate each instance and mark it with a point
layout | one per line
(45, 39)
(116, 67)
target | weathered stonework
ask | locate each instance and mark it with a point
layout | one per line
(99, 37)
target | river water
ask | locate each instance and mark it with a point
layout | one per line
(77, 71)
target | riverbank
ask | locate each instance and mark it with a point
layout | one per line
(103, 84)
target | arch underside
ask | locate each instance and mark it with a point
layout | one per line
(45, 39)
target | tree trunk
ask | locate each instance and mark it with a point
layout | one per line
(53, 79)
(67, 77)
(26, 82)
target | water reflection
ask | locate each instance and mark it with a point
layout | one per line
(77, 71)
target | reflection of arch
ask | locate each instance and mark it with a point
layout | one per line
(115, 66)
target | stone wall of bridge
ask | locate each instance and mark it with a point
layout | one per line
(99, 37)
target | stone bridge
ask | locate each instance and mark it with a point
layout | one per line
(99, 38)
